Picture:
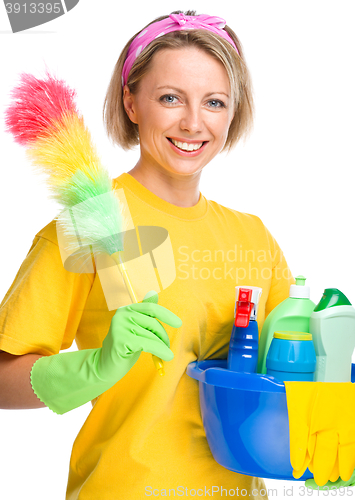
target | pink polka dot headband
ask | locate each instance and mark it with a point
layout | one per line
(175, 22)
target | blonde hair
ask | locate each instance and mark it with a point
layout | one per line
(125, 133)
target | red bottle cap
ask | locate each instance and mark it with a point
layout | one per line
(244, 307)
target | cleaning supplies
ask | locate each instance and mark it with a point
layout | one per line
(243, 345)
(291, 356)
(290, 315)
(332, 325)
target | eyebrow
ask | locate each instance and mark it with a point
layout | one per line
(182, 91)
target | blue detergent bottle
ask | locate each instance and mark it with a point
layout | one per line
(291, 356)
(243, 345)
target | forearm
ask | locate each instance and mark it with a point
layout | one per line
(16, 392)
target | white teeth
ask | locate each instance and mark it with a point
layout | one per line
(187, 147)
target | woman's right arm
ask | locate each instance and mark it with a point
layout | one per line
(68, 380)
(16, 392)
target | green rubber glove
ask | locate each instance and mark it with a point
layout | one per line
(339, 483)
(68, 380)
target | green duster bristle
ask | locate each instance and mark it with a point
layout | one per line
(80, 187)
(93, 217)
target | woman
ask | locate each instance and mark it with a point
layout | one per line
(181, 90)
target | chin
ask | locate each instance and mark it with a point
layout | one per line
(185, 171)
(185, 167)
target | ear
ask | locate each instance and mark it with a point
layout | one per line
(129, 104)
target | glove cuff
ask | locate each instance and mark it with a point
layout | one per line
(68, 380)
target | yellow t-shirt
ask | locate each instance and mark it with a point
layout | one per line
(144, 436)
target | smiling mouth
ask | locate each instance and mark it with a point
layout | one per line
(185, 146)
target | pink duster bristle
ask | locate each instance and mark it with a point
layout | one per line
(37, 108)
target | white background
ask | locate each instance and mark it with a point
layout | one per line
(295, 171)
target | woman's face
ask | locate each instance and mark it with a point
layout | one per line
(183, 110)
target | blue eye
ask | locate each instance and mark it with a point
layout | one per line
(216, 103)
(168, 99)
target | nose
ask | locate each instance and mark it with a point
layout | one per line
(192, 119)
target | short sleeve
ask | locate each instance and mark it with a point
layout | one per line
(42, 309)
(281, 279)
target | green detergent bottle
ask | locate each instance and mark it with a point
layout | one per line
(293, 314)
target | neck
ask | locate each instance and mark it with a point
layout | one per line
(179, 190)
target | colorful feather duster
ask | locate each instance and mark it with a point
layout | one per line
(44, 118)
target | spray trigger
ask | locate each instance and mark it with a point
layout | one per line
(244, 307)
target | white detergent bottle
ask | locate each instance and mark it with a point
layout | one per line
(332, 325)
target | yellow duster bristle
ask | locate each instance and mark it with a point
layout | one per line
(68, 149)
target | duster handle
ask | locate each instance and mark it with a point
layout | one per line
(122, 268)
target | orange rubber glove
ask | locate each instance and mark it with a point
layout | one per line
(322, 429)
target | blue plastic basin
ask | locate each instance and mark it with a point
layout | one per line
(246, 420)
